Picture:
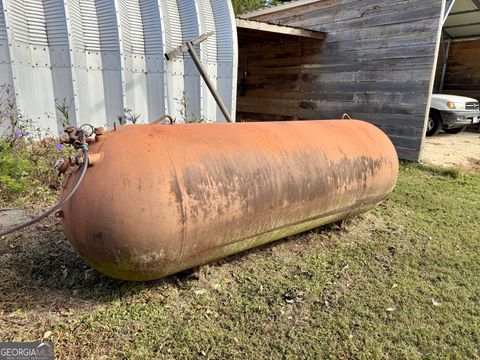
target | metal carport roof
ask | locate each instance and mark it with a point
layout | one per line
(462, 19)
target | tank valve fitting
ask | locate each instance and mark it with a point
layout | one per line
(61, 166)
(99, 132)
(78, 138)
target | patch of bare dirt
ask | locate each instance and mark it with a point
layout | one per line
(459, 150)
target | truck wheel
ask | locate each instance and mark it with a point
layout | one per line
(455, 130)
(434, 123)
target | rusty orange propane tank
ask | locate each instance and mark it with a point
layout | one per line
(160, 199)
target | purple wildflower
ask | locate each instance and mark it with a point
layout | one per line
(18, 133)
(59, 146)
(127, 118)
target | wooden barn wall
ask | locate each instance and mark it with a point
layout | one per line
(376, 64)
(463, 69)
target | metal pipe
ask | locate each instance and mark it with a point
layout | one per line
(445, 63)
(203, 73)
(448, 9)
(179, 50)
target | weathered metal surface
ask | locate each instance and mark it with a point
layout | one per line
(165, 198)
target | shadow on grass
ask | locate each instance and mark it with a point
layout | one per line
(39, 269)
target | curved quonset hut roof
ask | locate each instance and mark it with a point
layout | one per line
(101, 56)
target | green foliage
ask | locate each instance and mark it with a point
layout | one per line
(27, 170)
(14, 169)
(454, 172)
(242, 6)
(27, 153)
(64, 108)
(186, 115)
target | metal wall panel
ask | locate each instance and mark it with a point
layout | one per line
(227, 55)
(101, 56)
(128, 16)
(142, 56)
(190, 102)
(62, 81)
(30, 61)
(6, 79)
(154, 45)
(111, 60)
(5, 68)
(208, 52)
(174, 69)
(95, 63)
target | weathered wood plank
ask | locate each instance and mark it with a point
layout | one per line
(376, 64)
(401, 12)
(279, 29)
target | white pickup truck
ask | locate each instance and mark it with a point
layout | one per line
(451, 114)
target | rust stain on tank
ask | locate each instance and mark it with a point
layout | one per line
(166, 198)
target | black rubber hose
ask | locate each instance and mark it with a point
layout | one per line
(57, 206)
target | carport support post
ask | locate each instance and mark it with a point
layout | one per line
(445, 62)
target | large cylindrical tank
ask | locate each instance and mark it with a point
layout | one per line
(165, 198)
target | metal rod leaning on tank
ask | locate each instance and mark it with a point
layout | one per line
(206, 78)
(179, 50)
(189, 46)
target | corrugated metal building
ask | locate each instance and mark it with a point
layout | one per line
(101, 56)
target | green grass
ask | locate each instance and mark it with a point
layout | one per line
(402, 281)
(27, 171)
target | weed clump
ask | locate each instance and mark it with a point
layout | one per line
(27, 157)
(27, 171)
(453, 172)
